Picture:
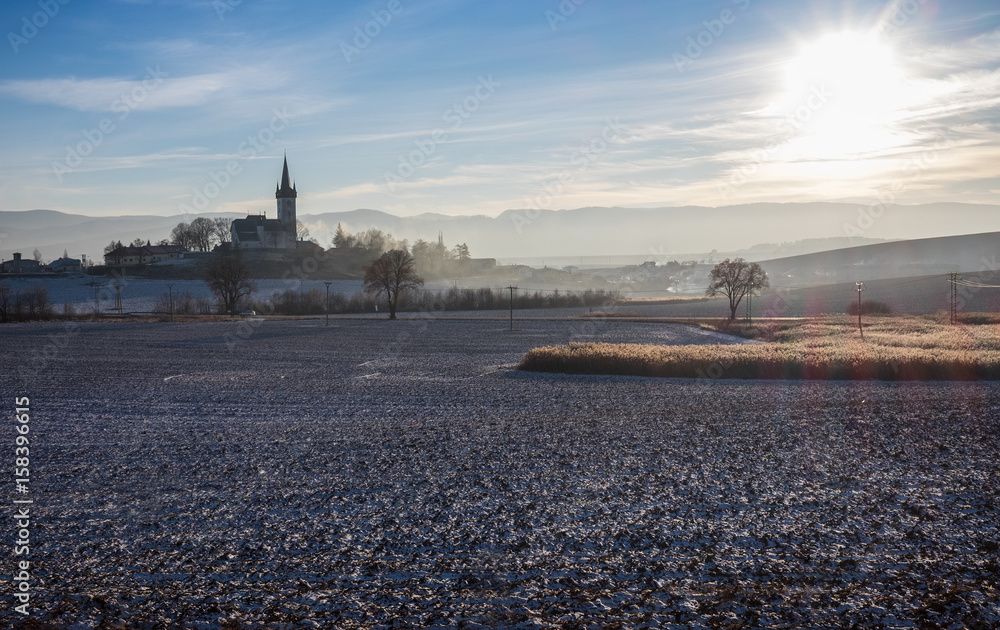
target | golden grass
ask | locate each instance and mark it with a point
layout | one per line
(894, 348)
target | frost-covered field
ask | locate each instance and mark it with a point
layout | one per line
(286, 475)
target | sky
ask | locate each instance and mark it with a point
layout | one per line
(167, 107)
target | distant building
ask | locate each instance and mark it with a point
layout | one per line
(20, 265)
(146, 255)
(480, 265)
(65, 265)
(259, 232)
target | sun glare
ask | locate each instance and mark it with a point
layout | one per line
(840, 92)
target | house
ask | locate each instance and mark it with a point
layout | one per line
(259, 232)
(145, 255)
(20, 265)
(65, 265)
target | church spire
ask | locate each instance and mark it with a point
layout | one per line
(285, 188)
(284, 174)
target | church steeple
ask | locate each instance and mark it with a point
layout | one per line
(285, 193)
(285, 190)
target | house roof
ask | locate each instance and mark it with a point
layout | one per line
(65, 262)
(163, 249)
(246, 229)
(21, 261)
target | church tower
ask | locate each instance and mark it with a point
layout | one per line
(285, 193)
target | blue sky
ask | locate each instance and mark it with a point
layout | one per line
(460, 107)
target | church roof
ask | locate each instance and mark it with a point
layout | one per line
(285, 190)
(246, 229)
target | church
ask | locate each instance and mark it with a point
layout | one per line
(259, 232)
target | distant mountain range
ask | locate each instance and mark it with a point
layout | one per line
(656, 233)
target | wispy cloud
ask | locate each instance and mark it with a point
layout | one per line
(160, 90)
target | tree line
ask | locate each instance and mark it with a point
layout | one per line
(429, 256)
(30, 304)
(201, 234)
(312, 301)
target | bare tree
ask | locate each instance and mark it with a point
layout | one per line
(228, 276)
(43, 304)
(35, 301)
(181, 235)
(222, 232)
(112, 246)
(301, 231)
(735, 279)
(202, 231)
(7, 300)
(137, 243)
(392, 274)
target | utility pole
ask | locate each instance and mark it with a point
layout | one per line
(327, 307)
(512, 307)
(170, 289)
(97, 304)
(859, 287)
(118, 298)
(953, 277)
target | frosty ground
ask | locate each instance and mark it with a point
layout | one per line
(288, 474)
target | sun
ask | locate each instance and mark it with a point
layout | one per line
(841, 91)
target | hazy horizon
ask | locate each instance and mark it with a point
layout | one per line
(649, 233)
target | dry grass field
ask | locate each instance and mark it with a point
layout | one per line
(894, 348)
